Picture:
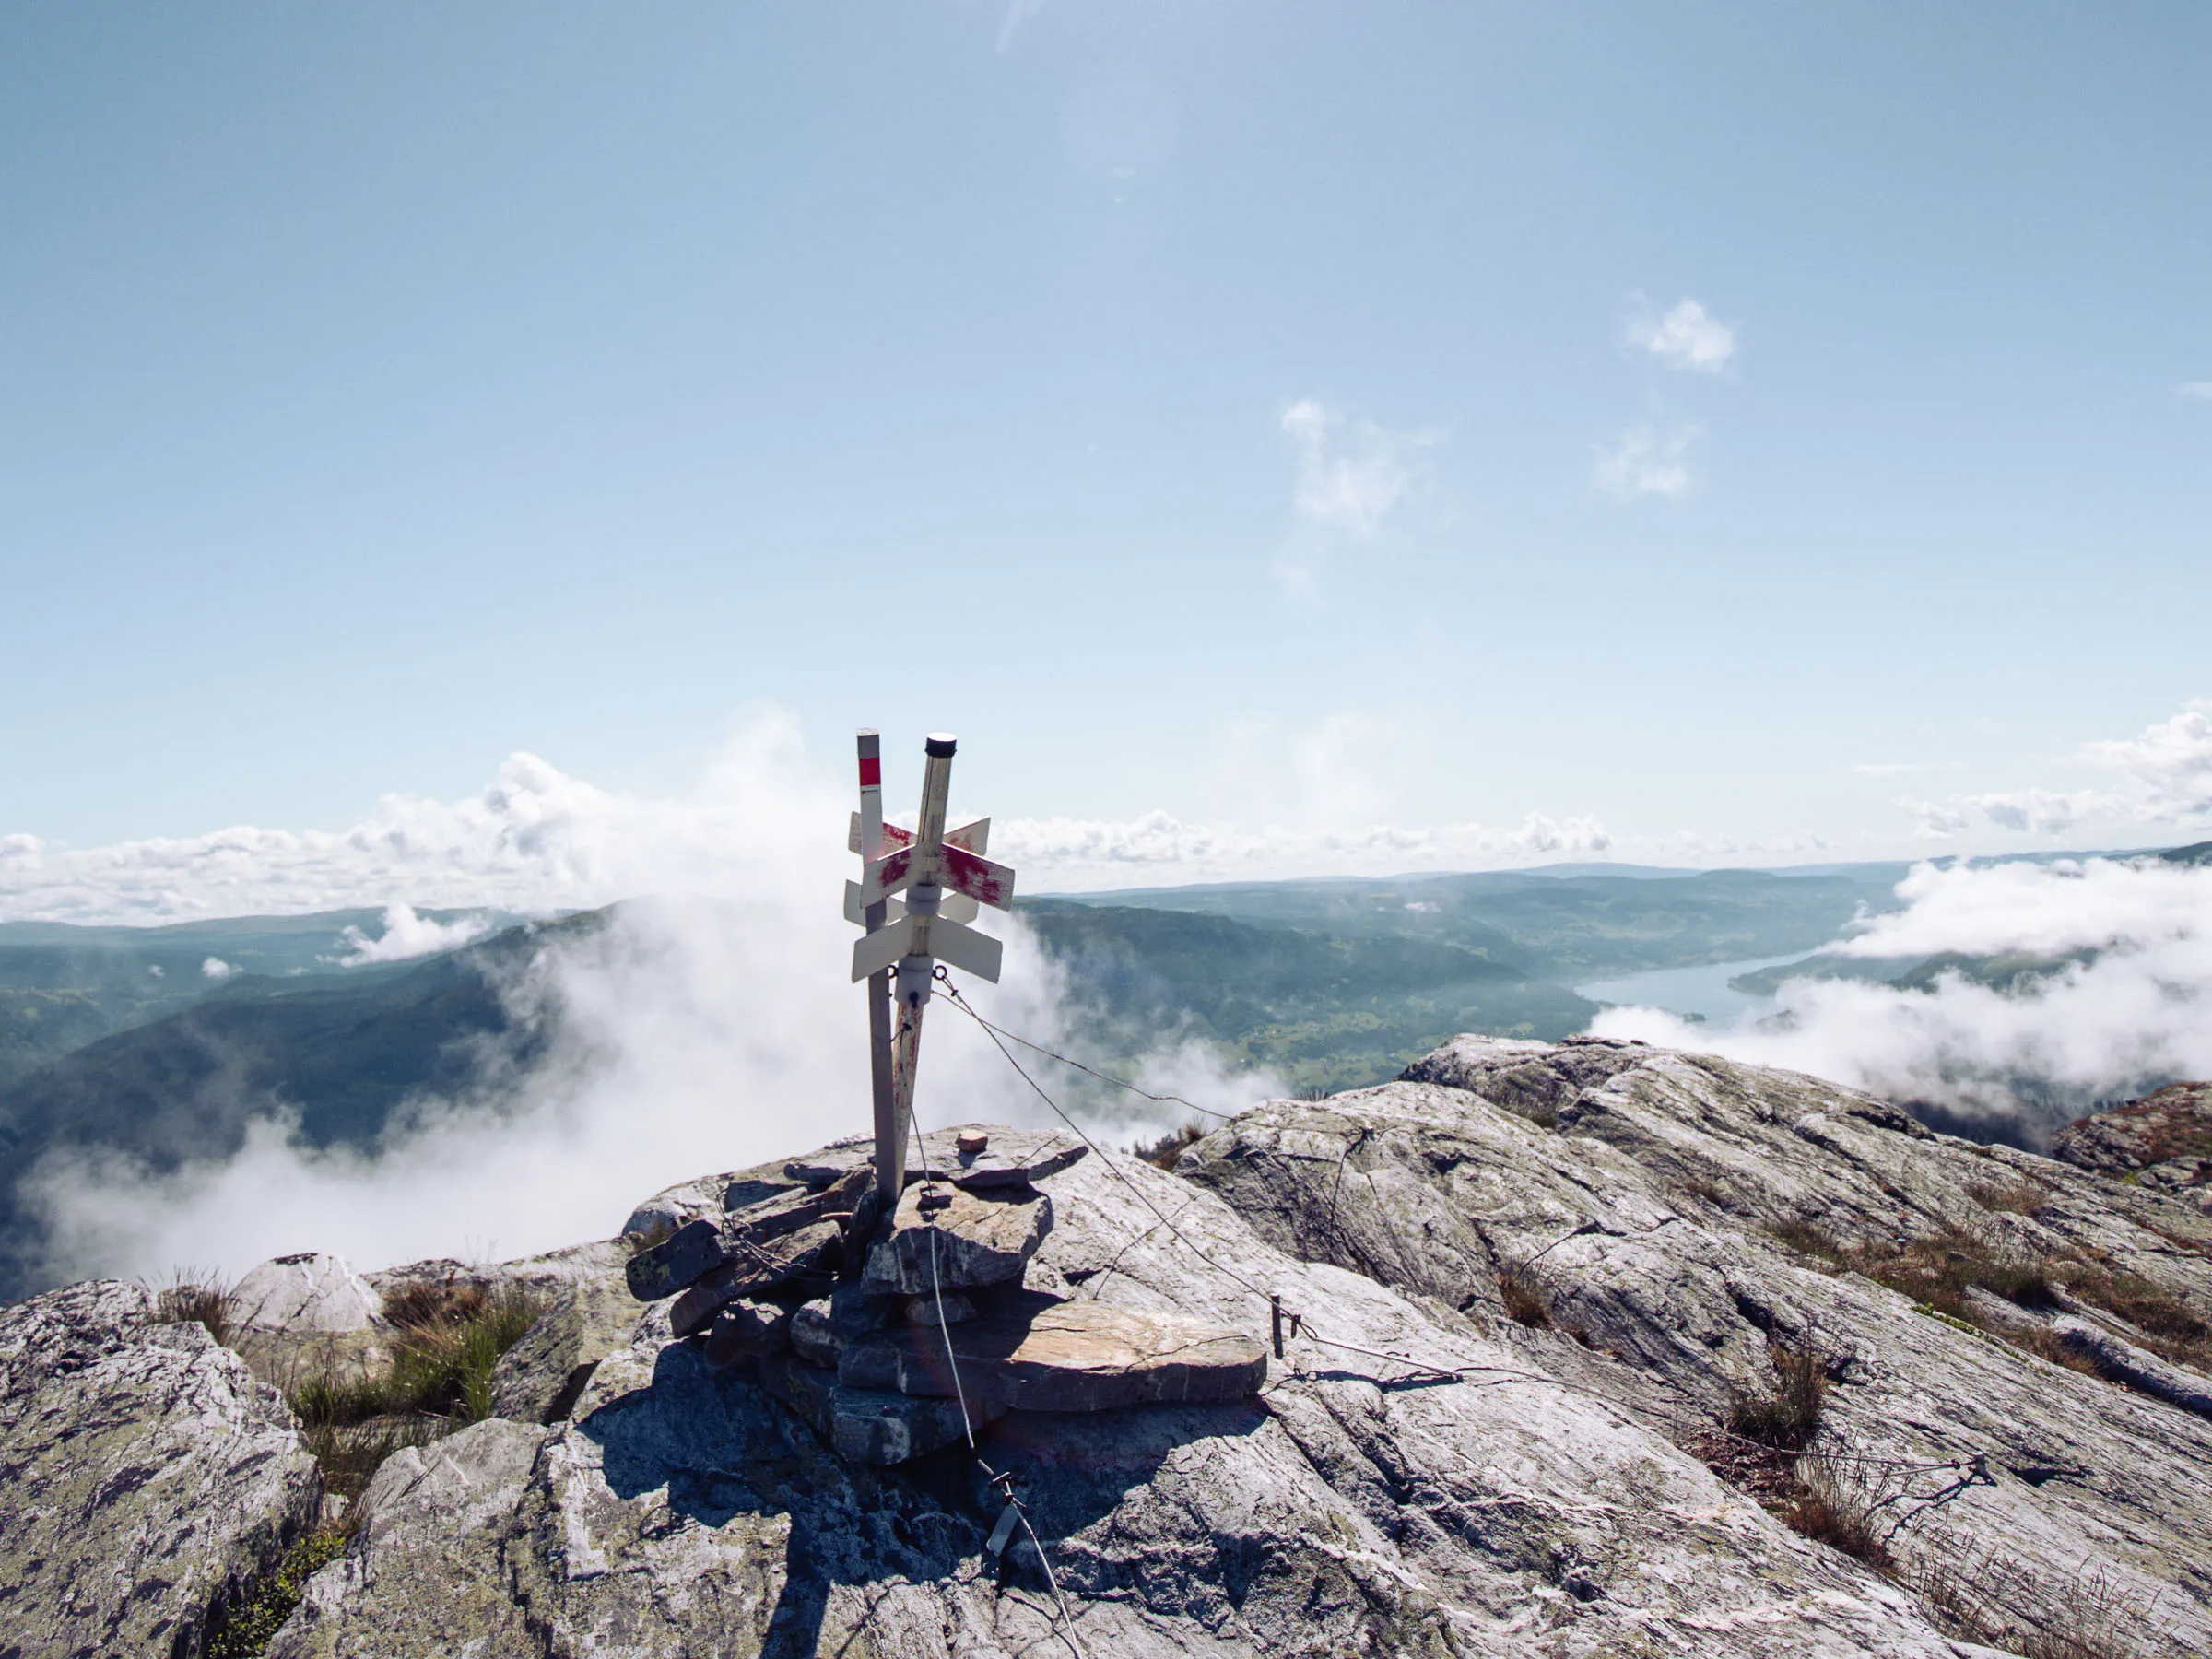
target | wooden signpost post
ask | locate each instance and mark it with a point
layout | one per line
(945, 877)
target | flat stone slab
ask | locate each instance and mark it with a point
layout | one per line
(869, 1425)
(974, 1239)
(1008, 1158)
(806, 1260)
(1066, 1355)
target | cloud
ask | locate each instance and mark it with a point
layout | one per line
(1904, 769)
(1688, 337)
(2133, 1012)
(1648, 459)
(215, 968)
(535, 841)
(2165, 776)
(408, 935)
(688, 1035)
(2197, 389)
(1352, 476)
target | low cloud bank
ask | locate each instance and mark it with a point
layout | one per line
(2129, 1010)
(687, 1036)
(408, 935)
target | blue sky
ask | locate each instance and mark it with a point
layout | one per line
(1723, 424)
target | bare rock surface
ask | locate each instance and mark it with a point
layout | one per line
(145, 1479)
(2163, 1141)
(1353, 1506)
(309, 1292)
(1644, 1200)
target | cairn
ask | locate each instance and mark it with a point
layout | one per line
(896, 1335)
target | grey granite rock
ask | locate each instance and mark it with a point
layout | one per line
(975, 1239)
(538, 1379)
(303, 1293)
(1646, 1221)
(1353, 1507)
(146, 1479)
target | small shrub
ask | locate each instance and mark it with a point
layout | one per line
(1977, 1593)
(245, 1634)
(195, 1297)
(1787, 1419)
(439, 1379)
(1711, 1191)
(1524, 1300)
(2018, 1198)
(1164, 1151)
(1808, 1240)
(1838, 1504)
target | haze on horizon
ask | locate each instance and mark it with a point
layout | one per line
(1278, 440)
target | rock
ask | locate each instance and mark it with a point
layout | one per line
(754, 1239)
(2125, 1362)
(932, 1310)
(1673, 1222)
(875, 1427)
(687, 1255)
(804, 1260)
(1007, 1158)
(2174, 1125)
(1357, 1506)
(1067, 1356)
(146, 1481)
(538, 1379)
(975, 1239)
(423, 1574)
(813, 1338)
(747, 1330)
(309, 1292)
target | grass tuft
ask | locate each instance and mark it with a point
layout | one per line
(1524, 1300)
(449, 1339)
(195, 1296)
(2017, 1197)
(1787, 1419)
(1837, 1504)
(1164, 1151)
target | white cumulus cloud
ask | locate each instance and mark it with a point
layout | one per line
(215, 968)
(1352, 476)
(2164, 776)
(408, 935)
(1652, 459)
(1686, 336)
(2132, 1011)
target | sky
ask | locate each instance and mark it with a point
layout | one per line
(1276, 437)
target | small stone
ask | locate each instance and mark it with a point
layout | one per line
(813, 1337)
(747, 1330)
(677, 1261)
(975, 1239)
(868, 1425)
(925, 1311)
(970, 1145)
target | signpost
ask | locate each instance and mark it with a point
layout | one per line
(945, 877)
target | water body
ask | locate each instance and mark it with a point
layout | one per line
(1702, 991)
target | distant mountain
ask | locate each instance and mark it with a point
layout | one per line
(63, 986)
(1324, 1009)
(339, 1052)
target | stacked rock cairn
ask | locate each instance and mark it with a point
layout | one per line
(896, 1335)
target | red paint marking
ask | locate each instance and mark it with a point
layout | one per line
(871, 773)
(986, 883)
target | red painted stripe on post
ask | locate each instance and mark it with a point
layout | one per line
(871, 773)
